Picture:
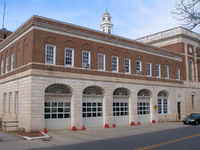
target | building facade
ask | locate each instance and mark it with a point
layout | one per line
(57, 75)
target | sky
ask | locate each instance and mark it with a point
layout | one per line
(131, 18)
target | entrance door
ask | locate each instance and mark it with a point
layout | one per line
(179, 110)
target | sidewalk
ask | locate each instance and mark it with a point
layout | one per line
(66, 137)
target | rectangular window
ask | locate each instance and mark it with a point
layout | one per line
(115, 64)
(16, 102)
(138, 66)
(165, 106)
(69, 57)
(9, 102)
(157, 70)
(4, 102)
(50, 54)
(190, 68)
(2, 66)
(166, 71)
(127, 65)
(101, 62)
(7, 64)
(162, 106)
(178, 74)
(12, 60)
(149, 70)
(86, 59)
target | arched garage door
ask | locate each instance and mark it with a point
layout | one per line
(57, 106)
(120, 106)
(92, 107)
(143, 105)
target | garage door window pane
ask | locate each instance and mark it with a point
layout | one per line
(57, 110)
(143, 108)
(60, 104)
(47, 110)
(66, 115)
(60, 109)
(60, 115)
(120, 109)
(91, 109)
(47, 116)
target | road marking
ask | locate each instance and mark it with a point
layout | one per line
(168, 142)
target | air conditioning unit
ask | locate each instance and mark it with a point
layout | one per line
(86, 65)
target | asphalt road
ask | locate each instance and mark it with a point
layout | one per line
(187, 138)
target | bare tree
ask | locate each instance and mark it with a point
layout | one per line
(188, 11)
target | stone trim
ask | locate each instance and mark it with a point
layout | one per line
(35, 70)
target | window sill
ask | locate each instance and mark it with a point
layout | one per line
(69, 66)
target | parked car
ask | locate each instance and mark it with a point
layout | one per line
(193, 119)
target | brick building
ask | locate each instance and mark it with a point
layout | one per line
(58, 75)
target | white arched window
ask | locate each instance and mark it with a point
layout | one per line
(162, 102)
(143, 104)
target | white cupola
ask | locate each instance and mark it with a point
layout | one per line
(106, 23)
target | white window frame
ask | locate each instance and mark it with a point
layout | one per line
(9, 102)
(120, 109)
(190, 68)
(7, 64)
(117, 69)
(72, 63)
(104, 61)
(64, 105)
(178, 74)
(2, 66)
(16, 102)
(129, 65)
(4, 102)
(162, 105)
(138, 62)
(12, 61)
(150, 69)
(166, 71)
(159, 70)
(54, 54)
(89, 60)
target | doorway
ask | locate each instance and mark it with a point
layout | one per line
(179, 110)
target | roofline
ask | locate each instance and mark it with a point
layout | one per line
(26, 25)
(164, 31)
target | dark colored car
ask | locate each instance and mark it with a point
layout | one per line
(193, 119)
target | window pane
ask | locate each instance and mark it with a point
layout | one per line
(127, 65)
(86, 59)
(157, 70)
(49, 54)
(114, 63)
(149, 69)
(138, 66)
(101, 61)
(68, 56)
